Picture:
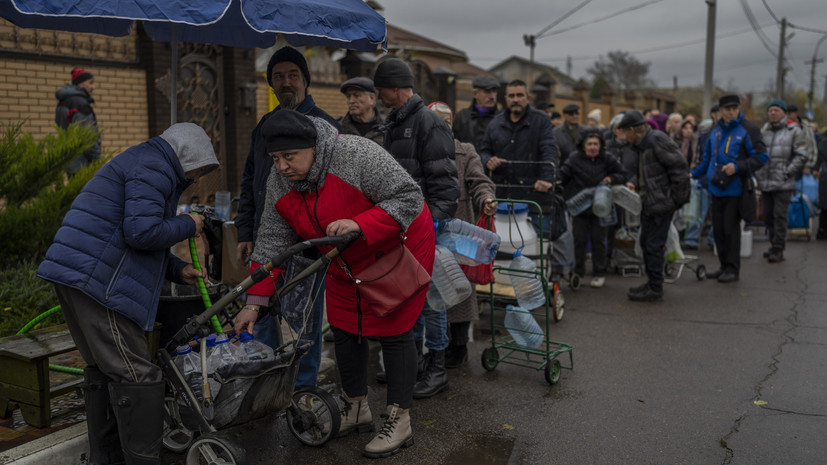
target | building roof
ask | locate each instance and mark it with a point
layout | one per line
(556, 73)
(399, 39)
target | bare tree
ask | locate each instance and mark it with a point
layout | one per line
(621, 70)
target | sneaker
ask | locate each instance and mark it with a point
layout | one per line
(394, 435)
(598, 281)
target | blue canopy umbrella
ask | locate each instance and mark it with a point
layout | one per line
(350, 24)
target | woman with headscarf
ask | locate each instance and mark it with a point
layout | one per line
(687, 140)
(328, 184)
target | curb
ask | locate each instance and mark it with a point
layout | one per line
(68, 446)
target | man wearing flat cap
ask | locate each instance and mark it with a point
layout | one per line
(362, 118)
(787, 149)
(663, 185)
(568, 134)
(470, 123)
(734, 151)
(289, 77)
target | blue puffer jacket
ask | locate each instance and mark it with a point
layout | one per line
(114, 242)
(738, 142)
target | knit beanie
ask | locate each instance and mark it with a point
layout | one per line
(79, 75)
(293, 56)
(778, 103)
(192, 146)
(596, 115)
(393, 73)
(287, 130)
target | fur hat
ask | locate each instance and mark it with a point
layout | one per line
(287, 130)
(293, 56)
(79, 75)
(393, 73)
(192, 145)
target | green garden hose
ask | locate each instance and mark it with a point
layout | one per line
(33, 323)
(202, 287)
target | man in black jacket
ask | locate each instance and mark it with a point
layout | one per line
(362, 118)
(289, 77)
(75, 106)
(568, 134)
(470, 123)
(663, 185)
(423, 144)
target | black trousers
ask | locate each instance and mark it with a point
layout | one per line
(726, 226)
(587, 227)
(653, 232)
(400, 365)
(776, 207)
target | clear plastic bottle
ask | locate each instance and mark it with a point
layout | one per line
(602, 202)
(472, 244)
(580, 202)
(186, 360)
(527, 286)
(449, 285)
(255, 350)
(522, 327)
(626, 198)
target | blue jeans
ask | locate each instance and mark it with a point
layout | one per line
(268, 331)
(433, 327)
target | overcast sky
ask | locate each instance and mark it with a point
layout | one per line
(492, 30)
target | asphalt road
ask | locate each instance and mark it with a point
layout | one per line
(715, 374)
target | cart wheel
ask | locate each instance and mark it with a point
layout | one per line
(574, 281)
(176, 437)
(215, 451)
(313, 416)
(490, 358)
(552, 371)
(700, 273)
(558, 301)
(668, 270)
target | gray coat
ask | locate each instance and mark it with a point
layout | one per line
(787, 147)
(474, 188)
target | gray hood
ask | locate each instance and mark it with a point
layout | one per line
(192, 145)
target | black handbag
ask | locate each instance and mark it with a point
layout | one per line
(720, 179)
(748, 204)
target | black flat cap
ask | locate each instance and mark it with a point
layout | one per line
(360, 82)
(729, 100)
(631, 119)
(714, 108)
(571, 108)
(484, 81)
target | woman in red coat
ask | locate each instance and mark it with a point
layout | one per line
(327, 184)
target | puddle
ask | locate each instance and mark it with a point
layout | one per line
(482, 450)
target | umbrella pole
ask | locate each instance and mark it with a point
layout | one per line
(173, 46)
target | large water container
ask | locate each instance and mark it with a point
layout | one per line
(528, 287)
(472, 245)
(220, 352)
(255, 350)
(449, 285)
(692, 209)
(602, 202)
(626, 198)
(522, 327)
(581, 201)
(186, 360)
(515, 229)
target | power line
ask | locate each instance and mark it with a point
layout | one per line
(770, 10)
(560, 19)
(751, 18)
(613, 15)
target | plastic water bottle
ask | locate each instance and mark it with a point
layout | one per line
(522, 327)
(626, 198)
(472, 244)
(580, 202)
(449, 285)
(253, 349)
(527, 287)
(186, 360)
(602, 202)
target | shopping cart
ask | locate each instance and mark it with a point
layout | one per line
(193, 421)
(503, 348)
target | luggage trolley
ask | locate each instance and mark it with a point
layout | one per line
(545, 356)
(193, 424)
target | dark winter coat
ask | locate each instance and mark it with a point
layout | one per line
(738, 142)
(565, 144)
(626, 155)
(665, 184)
(787, 149)
(75, 106)
(529, 140)
(257, 168)
(114, 242)
(469, 124)
(581, 172)
(374, 133)
(423, 144)
(351, 178)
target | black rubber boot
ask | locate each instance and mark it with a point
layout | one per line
(104, 444)
(435, 379)
(139, 408)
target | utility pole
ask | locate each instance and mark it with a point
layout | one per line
(710, 57)
(568, 65)
(779, 77)
(813, 63)
(530, 41)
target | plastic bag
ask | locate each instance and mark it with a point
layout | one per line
(482, 274)
(673, 245)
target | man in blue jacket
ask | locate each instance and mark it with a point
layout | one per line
(732, 153)
(108, 262)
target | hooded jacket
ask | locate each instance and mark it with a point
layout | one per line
(350, 178)
(664, 186)
(75, 106)
(787, 151)
(423, 144)
(469, 124)
(113, 244)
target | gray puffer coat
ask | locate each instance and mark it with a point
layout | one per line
(787, 147)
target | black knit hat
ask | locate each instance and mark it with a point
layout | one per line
(287, 130)
(79, 75)
(293, 56)
(631, 119)
(393, 73)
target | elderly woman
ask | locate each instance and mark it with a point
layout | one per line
(325, 184)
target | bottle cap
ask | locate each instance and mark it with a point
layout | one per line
(181, 350)
(244, 337)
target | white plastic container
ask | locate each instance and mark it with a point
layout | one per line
(449, 285)
(602, 203)
(746, 243)
(528, 288)
(626, 198)
(515, 229)
(580, 202)
(522, 327)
